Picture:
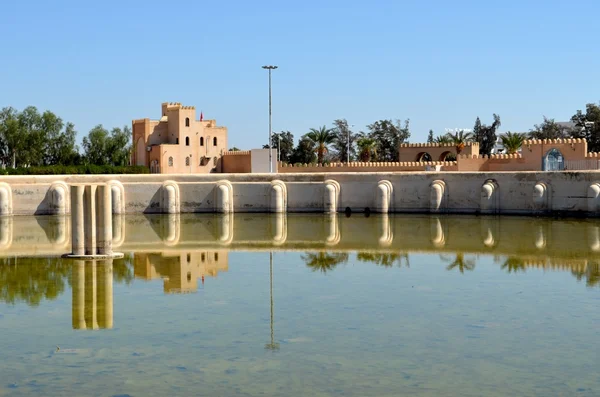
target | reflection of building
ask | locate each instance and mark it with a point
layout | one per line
(180, 270)
(178, 143)
(92, 287)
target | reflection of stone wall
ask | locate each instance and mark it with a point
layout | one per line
(180, 270)
(176, 235)
(92, 287)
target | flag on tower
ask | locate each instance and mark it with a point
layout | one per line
(201, 116)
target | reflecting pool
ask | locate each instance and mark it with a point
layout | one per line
(303, 305)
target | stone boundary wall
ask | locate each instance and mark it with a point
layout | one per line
(528, 193)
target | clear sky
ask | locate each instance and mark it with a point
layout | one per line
(439, 63)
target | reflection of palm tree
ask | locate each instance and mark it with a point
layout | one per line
(324, 261)
(591, 274)
(461, 263)
(514, 264)
(385, 260)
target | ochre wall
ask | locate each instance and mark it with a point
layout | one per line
(237, 162)
(438, 152)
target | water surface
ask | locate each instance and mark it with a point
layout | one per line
(298, 305)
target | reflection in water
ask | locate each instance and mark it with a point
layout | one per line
(514, 265)
(92, 289)
(324, 261)
(32, 280)
(272, 345)
(180, 270)
(460, 262)
(384, 259)
(183, 249)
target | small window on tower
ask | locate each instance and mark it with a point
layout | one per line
(187, 141)
(187, 121)
(177, 141)
(215, 141)
(201, 141)
(170, 161)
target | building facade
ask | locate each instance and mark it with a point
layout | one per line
(178, 143)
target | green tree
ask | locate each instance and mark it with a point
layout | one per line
(588, 126)
(284, 141)
(549, 129)
(512, 141)
(119, 146)
(485, 135)
(304, 153)
(341, 130)
(321, 137)
(324, 261)
(460, 139)
(389, 135)
(430, 137)
(104, 148)
(235, 149)
(367, 149)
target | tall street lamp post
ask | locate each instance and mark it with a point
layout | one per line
(348, 147)
(270, 68)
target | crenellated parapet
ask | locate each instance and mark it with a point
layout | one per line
(237, 153)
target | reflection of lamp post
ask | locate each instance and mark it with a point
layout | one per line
(269, 68)
(271, 346)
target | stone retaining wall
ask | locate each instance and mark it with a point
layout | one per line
(573, 193)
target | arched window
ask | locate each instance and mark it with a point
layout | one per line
(187, 121)
(187, 141)
(215, 141)
(170, 161)
(187, 161)
(201, 141)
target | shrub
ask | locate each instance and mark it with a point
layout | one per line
(76, 169)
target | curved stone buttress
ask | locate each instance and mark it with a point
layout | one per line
(438, 200)
(490, 197)
(383, 197)
(5, 199)
(541, 196)
(278, 197)
(170, 197)
(59, 200)
(223, 197)
(331, 195)
(593, 198)
(117, 192)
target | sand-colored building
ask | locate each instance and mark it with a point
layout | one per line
(178, 142)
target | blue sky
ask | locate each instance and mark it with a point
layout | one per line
(439, 63)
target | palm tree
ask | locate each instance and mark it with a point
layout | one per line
(443, 139)
(460, 139)
(512, 141)
(321, 138)
(368, 148)
(324, 261)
